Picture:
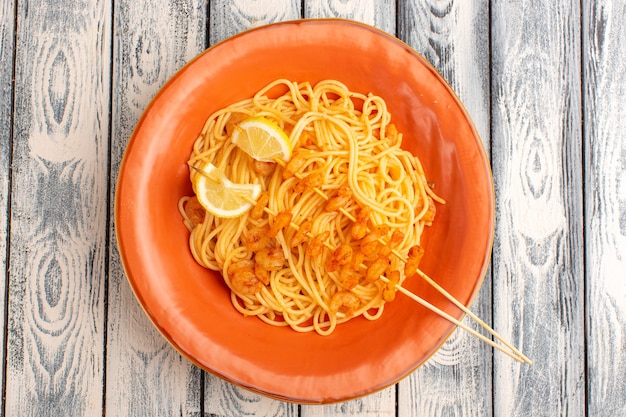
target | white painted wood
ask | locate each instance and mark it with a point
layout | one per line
(382, 404)
(53, 247)
(230, 17)
(7, 28)
(58, 215)
(538, 258)
(379, 13)
(453, 36)
(227, 400)
(604, 86)
(145, 375)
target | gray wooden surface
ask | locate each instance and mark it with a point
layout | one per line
(545, 84)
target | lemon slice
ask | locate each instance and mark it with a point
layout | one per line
(262, 139)
(220, 196)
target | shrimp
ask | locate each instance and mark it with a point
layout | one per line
(194, 211)
(432, 210)
(257, 211)
(240, 265)
(392, 133)
(306, 140)
(389, 290)
(359, 228)
(257, 238)
(262, 274)
(344, 194)
(413, 260)
(272, 259)
(266, 260)
(263, 168)
(296, 162)
(344, 302)
(312, 180)
(429, 215)
(316, 245)
(376, 269)
(302, 234)
(234, 121)
(243, 279)
(357, 260)
(370, 244)
(348, 277)
(396, 238)
(281, 221)
(341, 256)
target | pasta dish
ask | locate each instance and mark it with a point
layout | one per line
(335, 227)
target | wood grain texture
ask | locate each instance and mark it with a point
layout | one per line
(230, 17)
(7, 43)
(605, 220)
(381, 404)
(79, 345)
(145, 375)
(379, 13)
(227, 400)
(453, 36)
(58, 214)
(538, 259)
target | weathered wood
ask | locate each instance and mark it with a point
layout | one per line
(58, 214)
(69, 351)
(453, 36)
(227, 400)
(379, 404)
(228, 18)
(7, 40)
(381, 14)
(145, 375)
(604, 86)
(538, 258)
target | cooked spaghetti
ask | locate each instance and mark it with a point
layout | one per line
(349, 207)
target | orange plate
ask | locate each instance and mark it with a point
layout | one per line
(191, 306)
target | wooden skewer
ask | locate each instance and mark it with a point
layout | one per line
(473, 316)
(511, 351)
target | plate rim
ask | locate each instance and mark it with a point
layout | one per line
(142, 119)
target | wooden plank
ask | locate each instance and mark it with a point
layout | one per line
(380, 404)
(538, 257)
(58, 215)
(227, 400)
(145, 375)
(605, 204)
(7, 40)
(453, 36)
(383, 16)
(228, 18)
